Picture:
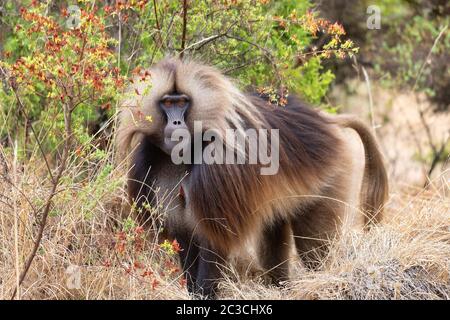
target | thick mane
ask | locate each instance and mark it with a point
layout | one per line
(226, 199)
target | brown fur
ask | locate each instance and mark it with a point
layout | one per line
(225, 205)
(374, 192)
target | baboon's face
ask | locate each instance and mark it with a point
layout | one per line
(174, 107)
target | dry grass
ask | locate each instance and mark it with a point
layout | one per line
(406, 257)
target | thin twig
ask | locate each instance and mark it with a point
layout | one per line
(436, 152)
(158, 26)
(16, 188)
(119, 48)
(156, 15)
(436, 158)
(369, 90)
(269, 56)
(183, 36)
(168, 33)
(16, 224)
(229, 70)
(427, 129)
(199, 44)
(41, 149)
(428, 57)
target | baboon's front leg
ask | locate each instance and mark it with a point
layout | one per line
(189, 255)
(208, 274)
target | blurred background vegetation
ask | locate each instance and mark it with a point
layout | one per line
(396, 53)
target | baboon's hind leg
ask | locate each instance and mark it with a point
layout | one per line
(273, 250)
(315, 226)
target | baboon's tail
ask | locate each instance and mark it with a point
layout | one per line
(374, 191)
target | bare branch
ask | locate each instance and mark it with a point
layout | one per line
(436, 157)
(269, 56)
(183, 36)
(428, 57)
(201, 43)
(369, 91)
(158, 26)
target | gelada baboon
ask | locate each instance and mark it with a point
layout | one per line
(221, 206)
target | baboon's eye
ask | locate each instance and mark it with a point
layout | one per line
(176, 100)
